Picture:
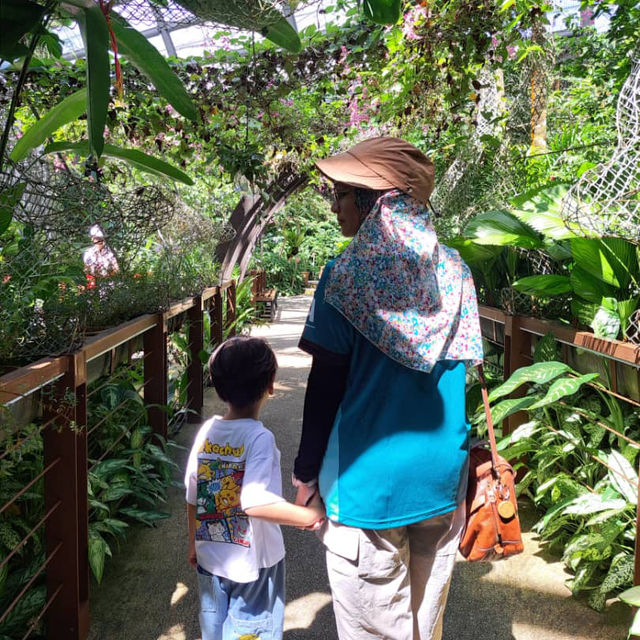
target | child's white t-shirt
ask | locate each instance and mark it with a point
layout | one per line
(234, 465)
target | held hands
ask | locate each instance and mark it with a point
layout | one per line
(310, 497)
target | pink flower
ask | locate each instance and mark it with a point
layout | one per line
(414, 17)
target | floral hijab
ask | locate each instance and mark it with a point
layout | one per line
(408, 294)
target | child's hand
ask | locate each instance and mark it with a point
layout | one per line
(191, 556)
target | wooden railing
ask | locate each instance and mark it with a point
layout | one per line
(64, 418)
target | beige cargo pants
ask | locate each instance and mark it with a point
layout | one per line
(392, 584)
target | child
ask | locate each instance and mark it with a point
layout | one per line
(234, 502)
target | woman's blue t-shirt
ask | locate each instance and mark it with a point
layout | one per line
(399, 445)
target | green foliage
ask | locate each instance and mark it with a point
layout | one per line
(130, 472)
(600, 276)
(66, 111)
(21, 464)
(152, 64)
(303, 238)
(95, 36)
(580, 476)
(133, 157)
(31, 18)
(382, 11)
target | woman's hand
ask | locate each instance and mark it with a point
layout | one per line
(317, 505)
(310, 497)
(305, 494)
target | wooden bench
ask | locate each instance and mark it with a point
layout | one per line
(265, 300)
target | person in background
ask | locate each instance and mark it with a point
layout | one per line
(235, 503)
(393, 323)
(99, 260)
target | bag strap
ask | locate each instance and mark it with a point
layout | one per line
(487, 411)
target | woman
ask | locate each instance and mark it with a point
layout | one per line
(385, 436)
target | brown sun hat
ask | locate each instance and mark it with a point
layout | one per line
(383, 163)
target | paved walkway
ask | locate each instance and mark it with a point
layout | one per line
(149, 592)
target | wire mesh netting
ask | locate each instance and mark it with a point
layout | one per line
(49, 296)
(147, 14)
(511, 110)
(632, 333)
(606, 199)
(476, 179)
(174, 14)
(63, 205)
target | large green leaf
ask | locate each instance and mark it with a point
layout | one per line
(135, 158)
(542, 209)
(66, 111)
(606, 321)
(632, 597)
(98, 550)
(508, 407)
(543, 286)
(623, 476)
(150, 62)
(17, 18)
(625, 309)
(589, 503)
(622, 257)
(590, 254)
(587, 286)
(95, 35)
(584, 311)
(503, 229)
(561, 388)
(283, 34)
(539, 373)
(471, 252)
(382, 11)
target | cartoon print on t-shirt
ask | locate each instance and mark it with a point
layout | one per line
(218, 511)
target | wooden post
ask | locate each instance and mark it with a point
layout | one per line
(65, 492)
(517, 348)
(231, 308)
(155, 375)
(217, 319)
(195, 385)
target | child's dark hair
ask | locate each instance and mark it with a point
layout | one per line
(242, 369)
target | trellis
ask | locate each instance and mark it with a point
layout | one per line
(606, 199)
(57, 208)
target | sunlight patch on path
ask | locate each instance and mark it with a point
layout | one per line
(179, 593)
(301, 613)
(543, 575)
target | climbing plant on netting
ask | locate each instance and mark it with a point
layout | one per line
(510, 114)
(606, 199)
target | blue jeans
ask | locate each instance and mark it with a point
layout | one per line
(242, 610)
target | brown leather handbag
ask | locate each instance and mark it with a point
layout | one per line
(492, 527)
